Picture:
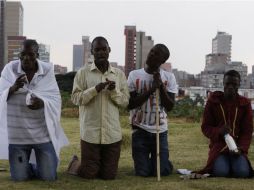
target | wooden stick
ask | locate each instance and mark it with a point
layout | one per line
(158, 135)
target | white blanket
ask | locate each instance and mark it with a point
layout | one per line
(47, 90)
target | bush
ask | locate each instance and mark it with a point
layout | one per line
(68, 108)
(190, 109)
(66, 100)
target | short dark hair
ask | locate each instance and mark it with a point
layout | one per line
(29, 43)
(98, 38)
(233, 73)
(165, 51)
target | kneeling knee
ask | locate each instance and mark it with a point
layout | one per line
(221, 173)
(143, 173)
(52, 177)
(242, 173)
(108, 177)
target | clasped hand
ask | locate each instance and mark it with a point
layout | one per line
(110, 85)
(236, 153)
(157, 82)
(227, 130)
(19, 83)
(37, 103)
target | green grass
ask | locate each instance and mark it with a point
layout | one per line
(188, 149)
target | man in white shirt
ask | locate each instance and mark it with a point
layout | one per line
(142, 86)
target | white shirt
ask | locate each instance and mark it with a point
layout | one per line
(145, 115)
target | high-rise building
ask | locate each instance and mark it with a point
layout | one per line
(183, 79)
(143, 45)
(216, 62)
(87, 50)
(212, 76)
(44, 52)
(137, 47)
(82, 54)
(2, 35)
(14, 29)
(212, 79)
(130, 49)
(14, 18)
(222, 44)
(219, 62)
(78, 57)
(14, 46)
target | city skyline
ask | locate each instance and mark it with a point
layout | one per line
(186, 27)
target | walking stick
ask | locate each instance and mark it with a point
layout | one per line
(158, 135)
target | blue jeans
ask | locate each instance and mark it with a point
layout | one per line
(46, 162)
(231, 166)
(144, 153)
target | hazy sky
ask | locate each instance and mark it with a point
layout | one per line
(186, 27)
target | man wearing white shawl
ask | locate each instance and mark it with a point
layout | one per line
(30, 110)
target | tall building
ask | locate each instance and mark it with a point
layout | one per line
(184, 79)
(216, 62)
(87, 50)
(130, 49)
(212, 79)
(44, 52)
(137, 47)
(212, 76)
(143, 45)
(14, 29)
(222, 44)
(219, 62)
(78, 57)
(82, 54)
(14, 18)
(14, 46)
(2, 35)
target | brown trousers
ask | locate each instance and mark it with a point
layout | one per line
(99, 160)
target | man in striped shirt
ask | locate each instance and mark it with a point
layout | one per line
(28, 125)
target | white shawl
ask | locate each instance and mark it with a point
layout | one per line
(47, 90)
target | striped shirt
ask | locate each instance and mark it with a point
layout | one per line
(25, 126)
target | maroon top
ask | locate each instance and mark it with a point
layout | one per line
(218, 112)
